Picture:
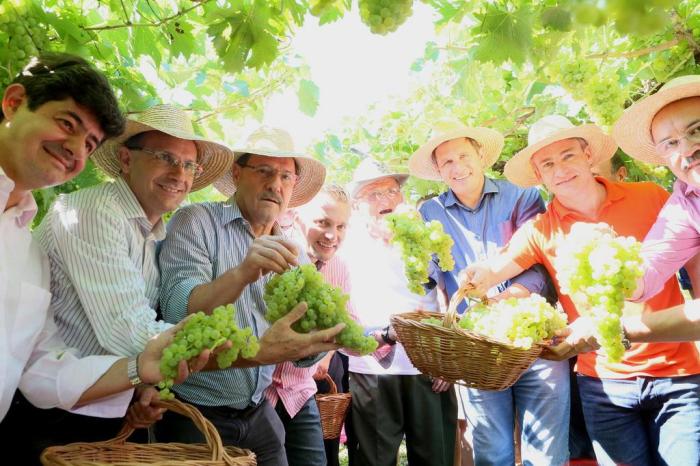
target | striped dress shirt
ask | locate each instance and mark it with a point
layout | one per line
(295, 385)
(204, 241)
(104, 270)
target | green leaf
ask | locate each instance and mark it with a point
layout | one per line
(308, 94)
(504, 35)
(536, 88)
(182, 41)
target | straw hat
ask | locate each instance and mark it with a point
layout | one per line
(215, 157)
(368, 171)
(421, 163)
(275, 142)
(632, 130)
(551, 129)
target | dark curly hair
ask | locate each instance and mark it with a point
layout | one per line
(58, 76)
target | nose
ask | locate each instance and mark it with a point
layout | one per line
(75, 148)
(687, 147)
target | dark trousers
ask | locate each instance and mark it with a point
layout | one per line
(387, 407)
(580, 445)
(257, 428)
(29, 430)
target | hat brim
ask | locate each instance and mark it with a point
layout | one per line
(518, 170)
(421, 164)
(632, 130)
(216, 157)
(312, 175)
(356, 186)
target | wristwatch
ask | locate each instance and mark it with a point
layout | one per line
(385, 336)
(132, 370)
(626, 339)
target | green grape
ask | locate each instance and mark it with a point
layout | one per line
(432, 320)
(519, 322)
(418, 241)
(385, 16)
(599, 270)
(326, 306)
(202, 332)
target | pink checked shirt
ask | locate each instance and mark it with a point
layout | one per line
(295, 385)
(673, 240)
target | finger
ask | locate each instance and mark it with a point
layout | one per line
(270, 260)
(295, 314)
(326, 335)
(182, 372)
(285, 249)
(148, 397)
(564, 332)
(291, 248)
(198, 363)
(227, 345)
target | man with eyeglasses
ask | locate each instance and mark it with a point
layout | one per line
(390, 397)
(224, 252)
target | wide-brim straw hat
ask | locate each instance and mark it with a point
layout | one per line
(549, 130)
(214, 157)
(275, 142)
(421, 162)
(369, 171)
(632, 131)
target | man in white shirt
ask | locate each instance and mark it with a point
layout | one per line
(390, 398)
(54, 114)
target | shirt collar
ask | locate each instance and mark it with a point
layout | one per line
(133, 209)
(686, 189)
(490, 187)
(25, 211)
(613, 193)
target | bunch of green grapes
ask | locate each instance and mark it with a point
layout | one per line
(326, 306)
(418, 241)
(519, 322)
(432, 320)
(385, 16)
(599, 269)
(202, 331)
(26, 37)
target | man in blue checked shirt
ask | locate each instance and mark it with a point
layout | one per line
(481, 215)
(223, 252)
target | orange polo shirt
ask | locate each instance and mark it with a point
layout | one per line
(631, 209)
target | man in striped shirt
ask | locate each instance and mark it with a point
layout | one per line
(323, 223)
(223, 252)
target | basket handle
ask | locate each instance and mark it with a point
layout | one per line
(333, 389)
(451, 315)
(211, 435)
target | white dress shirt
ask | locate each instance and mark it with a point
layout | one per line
(104, 271)
(32, 355)
(380, 289)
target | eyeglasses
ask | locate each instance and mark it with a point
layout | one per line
(268, 173)
(193, 169)
(669, 147)
(387, 193)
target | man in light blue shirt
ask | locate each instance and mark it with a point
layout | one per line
(481, 214)
(223, 252)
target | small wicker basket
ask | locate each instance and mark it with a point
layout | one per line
(333, 407)
(460, 356)
(119, 452)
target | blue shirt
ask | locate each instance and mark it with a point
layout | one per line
(481, 232)
(203, 242)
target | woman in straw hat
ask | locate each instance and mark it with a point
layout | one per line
(646, 408)
(480, 214)
(223, 252)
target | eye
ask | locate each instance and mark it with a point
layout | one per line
(66, 124)
(342, 227)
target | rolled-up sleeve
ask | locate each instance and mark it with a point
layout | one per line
(185, 262)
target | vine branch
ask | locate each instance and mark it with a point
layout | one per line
(129, 24)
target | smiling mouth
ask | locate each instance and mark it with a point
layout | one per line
(170, 189)
(691, 162)
(325, 245)
(68, 164)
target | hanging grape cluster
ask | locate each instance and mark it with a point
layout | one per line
(385, 16)
(520, 322)
(25, 36)
(202, 331)
(326, 306)
(418, 241)
(599, 270)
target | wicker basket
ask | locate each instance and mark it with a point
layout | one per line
(118, 452)
(333, 407)
(460, 356)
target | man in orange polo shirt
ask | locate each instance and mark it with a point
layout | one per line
(645, 409)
